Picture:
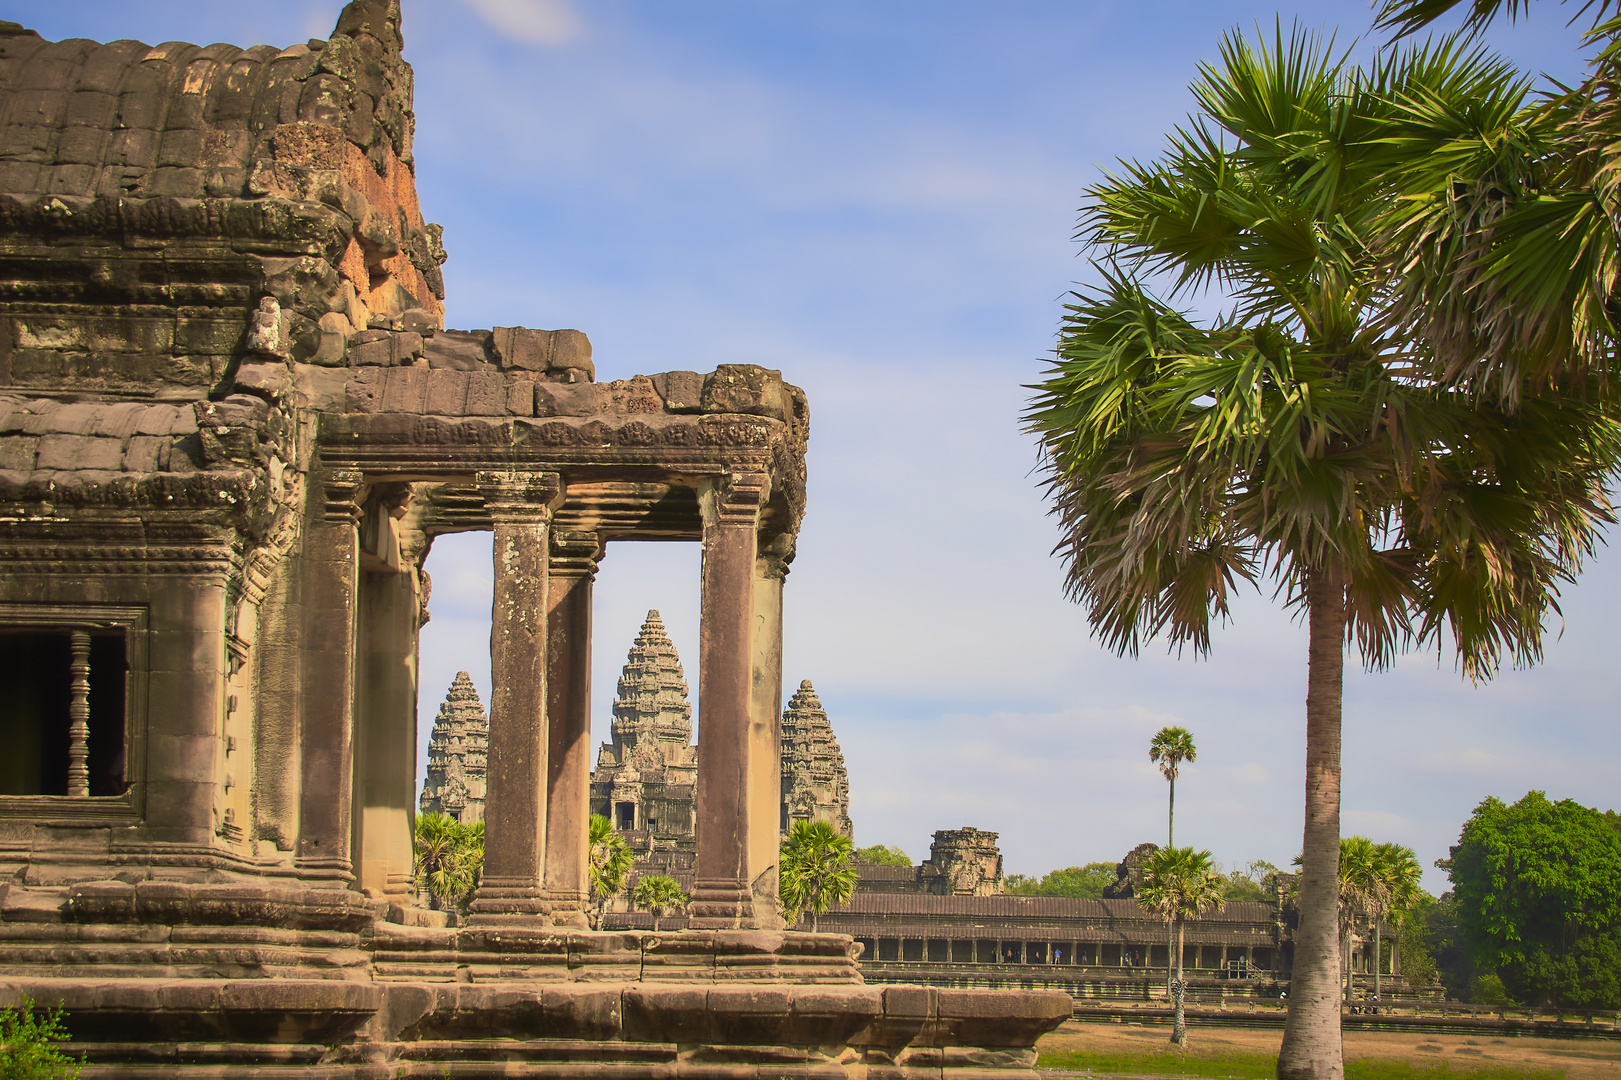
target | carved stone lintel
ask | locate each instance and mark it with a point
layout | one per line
(736, 499)
(774, 555)
(515, 496)
(339, 491)
(575, 554)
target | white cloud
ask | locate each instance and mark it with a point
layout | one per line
(534, 22)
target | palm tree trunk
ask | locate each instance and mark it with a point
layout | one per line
(1170, 841)
(1312, 1048)
(1378, 954)
(1179, 1024)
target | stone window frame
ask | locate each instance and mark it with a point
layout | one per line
(132, 620)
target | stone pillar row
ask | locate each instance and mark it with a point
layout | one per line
(536, 864)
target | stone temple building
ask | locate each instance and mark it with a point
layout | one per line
(646, 778)
(458, 753)
(815, 786)
(232, 425)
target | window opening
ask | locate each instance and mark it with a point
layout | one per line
(62, 719)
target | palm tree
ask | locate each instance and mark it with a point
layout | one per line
(1361, 892)
(1398, 871)
(1509, 243)
(448, 860)
(1169, 748)
(610, 861)
(1180, 884)
(814, 870)
(660, 895)
(1294, 437)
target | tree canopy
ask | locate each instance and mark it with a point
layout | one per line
(814, 869)
(883, 855)
(1534, 877)
(1076, 882)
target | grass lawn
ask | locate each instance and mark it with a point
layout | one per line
(1124, 1050)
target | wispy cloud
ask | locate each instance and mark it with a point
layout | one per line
(534, 22)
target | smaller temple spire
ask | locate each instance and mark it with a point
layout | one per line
(815, 786)
(458, 755)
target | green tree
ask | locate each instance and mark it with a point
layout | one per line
(883, 856)
(1293, 437)
(1395, 868)
(1075, 882)
(1412, 947)
(1248, 883)
(659, 895)
(1179, 884)
(449, 860)
(28, 1044)
(814, 870)
(1532, 881)
(610, 861)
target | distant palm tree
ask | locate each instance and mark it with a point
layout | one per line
(1361, 891)
(1170, 747)
(814, 871)
(610, 862)
(1180, 884)
(1398, 869)
(659, 895)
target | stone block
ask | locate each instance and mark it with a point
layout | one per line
(269, 380)
(18, 452)
(73, 419)
(487, 395)
(419, 321)
(664, 1013)
(462, 350)
(165, 420)
(404, 389)
(521, 397)
(71, 180)
(117, 420)
(80, 146)
(910, 1003)
(176, 183)
(146, 454)
(404, 346)
(370, 353)
(186, 758)
(447, 392)
(543, 350)
(68, 453)
(682, 391)
(744, 388)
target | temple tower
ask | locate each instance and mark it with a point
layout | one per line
(815, 786)
(963, 862)
(644, 779)
(458, 754)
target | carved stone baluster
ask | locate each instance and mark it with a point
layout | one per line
(79, 717)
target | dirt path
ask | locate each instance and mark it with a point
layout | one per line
(1578, 1059)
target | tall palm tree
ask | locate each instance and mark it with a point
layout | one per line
(1398, 871)
(1180, 884)
(610, 861)
(1361, 892)
(1294, 437)
(660, 895)
(1170, 747)
(814, 869)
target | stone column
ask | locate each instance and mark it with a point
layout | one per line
(327, 676)
(513, 885)
(568, 717)
(723, 888)
(765, 731)
(385, 732)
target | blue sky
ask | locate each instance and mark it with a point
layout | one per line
(877, 198)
